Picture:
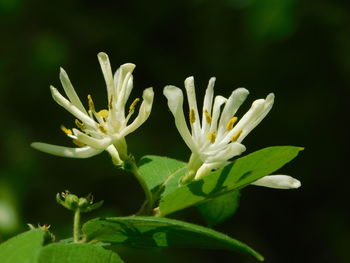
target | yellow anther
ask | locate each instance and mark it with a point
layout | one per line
(91, 103)
(212, 137)
(78, 143)
(236, 135)
(133, 105)
(207, 116)
(192, 116)
(103, 113)
(66, 130)
(79, 124)
(102, 128)
(230, 123)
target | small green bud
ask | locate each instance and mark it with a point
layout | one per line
(73, 202)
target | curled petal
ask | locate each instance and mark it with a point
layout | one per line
(192, 104)
(119, 78)
(208, 103)
(233, 149)
(93, 142)
(107, 73)
(144, 112)
(278, 182)
(218, 102)
(82, 152)
(70, 92)
(207, 167)
(175, 103)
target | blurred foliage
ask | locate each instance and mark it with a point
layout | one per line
(298, 49)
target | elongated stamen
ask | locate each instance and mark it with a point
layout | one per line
(102, 128)
(66, 130)
(103, 113)
(91, 103)
(207, 116)
(80, 125)
(212, 137)
(110, 104)
(133, 105)
(192, 116)
(236, 135)
(230, 123)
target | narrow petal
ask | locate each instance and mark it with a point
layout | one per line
(70, 92)
(119, 77)
(224, 154)
(83, 152)
(207, 105)
(278, 182)
(144, 112)
(107, 74)
(233, 103)
(175, 103)
(114, 154)
(219, 100)
(192, 103)
(62, 101)
(93, 142)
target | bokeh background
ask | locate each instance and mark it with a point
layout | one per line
(300, 50)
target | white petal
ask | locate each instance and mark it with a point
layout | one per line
(114, 154)
(207, 167)
(175, 103)
(82, 152)
(93, 142)
(107, 74)
(278, 182)
(224, 154)
(70, 92)
(144, 112)
(208, 103)
(236, 99)
(192, 104)
(62, 101)
(119, 76)
(219, 100)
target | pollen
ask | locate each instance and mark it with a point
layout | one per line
(91, 103)
(79, 124)
(236, 135)
(103, 113)
(230, 123)
(66, 130)
(207, 116)
(102, 128)
(78, 143)
(133, 104)
(212, 137)
(192, 116)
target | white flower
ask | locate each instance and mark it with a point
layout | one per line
(217, 137)
(105, 129)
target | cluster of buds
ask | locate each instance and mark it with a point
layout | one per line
(74, 203)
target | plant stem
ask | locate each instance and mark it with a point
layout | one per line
(148, 194)
(76, 226)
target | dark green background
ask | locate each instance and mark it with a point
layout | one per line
(300, 50)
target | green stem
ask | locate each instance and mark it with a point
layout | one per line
(148, 194)
(76, 226)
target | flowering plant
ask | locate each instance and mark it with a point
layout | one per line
(211, 180)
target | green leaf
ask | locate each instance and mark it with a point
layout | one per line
(76, 253)
(220, 208)
(161, 174)
(153, 232)
(234, 176)
(22, 248)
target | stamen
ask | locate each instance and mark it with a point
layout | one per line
(207, 116)
(78, 143)
(66, 130)
(110, 103)
(102, 128)
(230, 123)
(103, 113)
(192, 116)
(212, 137)
(91, 103)
(79, 124)
(133, 105)
(236, 135)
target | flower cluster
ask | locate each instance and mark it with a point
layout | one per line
(218, 136)
(106, 129)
